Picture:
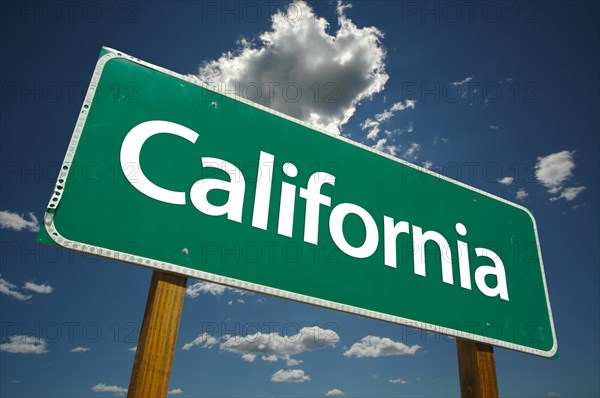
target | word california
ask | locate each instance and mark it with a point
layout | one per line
(311, 193)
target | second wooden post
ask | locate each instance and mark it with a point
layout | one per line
(477, 369)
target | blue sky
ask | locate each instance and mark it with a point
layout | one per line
(503, 96)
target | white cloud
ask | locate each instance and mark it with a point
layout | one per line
(554, 170)
(522, 194)
(175, 391)
(21, 344)
(335, 392)
(463, 81)
(17, 222)
(392, 150)
(380, 146)
(428, 164)
(374, 126)
(495, 127)
(197, 289)
(411, 152)
(553, 394)
(569, 193)
(214, 289)
(443, 140)
(80, 349)
(272, 347)
(385, 115)
(408, 104)
(41, 289)
(506, 180)
(397, 381)
(292, 362)
(248, 357)
(290, 376)
(11, 290)
(333, 71)
(101, 387)
(204, 340)
(374, 347)
(398, 106)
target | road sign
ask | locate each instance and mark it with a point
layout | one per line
(164, 172)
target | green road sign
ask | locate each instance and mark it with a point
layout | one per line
(164, 172)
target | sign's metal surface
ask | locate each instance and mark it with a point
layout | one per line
(169, 174)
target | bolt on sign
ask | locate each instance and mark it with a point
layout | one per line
(164, 172)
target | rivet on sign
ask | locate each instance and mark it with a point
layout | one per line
(488, 325)
(475, 201)
(213, 104)
(185, 250)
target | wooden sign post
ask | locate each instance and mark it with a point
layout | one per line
(158, 336)
(477, 369)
